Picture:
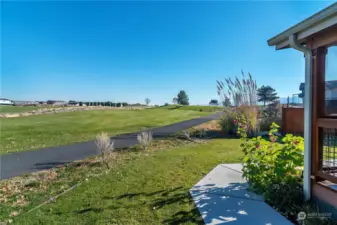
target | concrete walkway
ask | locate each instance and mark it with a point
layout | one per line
(26, 162)
(222, 198)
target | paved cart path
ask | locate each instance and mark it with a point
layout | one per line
(25, 162)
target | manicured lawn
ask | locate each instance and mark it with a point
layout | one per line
(194, 108)
(33, 132)
(17, 109)
(145, 189)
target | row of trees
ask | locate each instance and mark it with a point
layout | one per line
(240, 93)
(245, 92)
(108, 103)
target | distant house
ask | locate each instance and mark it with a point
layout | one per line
(331, 90)
(56, 102)
(72, 102)
(25, 103)
(330, 93)
(5, 101)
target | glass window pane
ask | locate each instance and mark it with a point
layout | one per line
(331, 81)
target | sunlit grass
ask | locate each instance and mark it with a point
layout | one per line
(38, 131)
(149, 188)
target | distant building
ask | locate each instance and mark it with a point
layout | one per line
(56, 102)
(331, 90)
(72, 102)
(5, 101)
(330, 94)
(25, 103)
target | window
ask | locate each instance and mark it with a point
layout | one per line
(331, 82)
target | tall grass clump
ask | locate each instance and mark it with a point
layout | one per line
(145, 139)
(250, 113)
(228, 123)
(240, 92)
(105, 147)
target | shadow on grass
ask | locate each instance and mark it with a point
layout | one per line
(50, 165)
(180, 217)
(175, 107)
(156, 201)
(208, 134)
(96, 210)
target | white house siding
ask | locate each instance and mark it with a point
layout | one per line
(5, 102)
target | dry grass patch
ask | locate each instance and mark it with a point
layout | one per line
(168, 143)
(211, 129)
(211, 125)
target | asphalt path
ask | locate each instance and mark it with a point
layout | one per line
(30, 161)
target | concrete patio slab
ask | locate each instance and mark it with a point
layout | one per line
(222, 196)
(225, 180)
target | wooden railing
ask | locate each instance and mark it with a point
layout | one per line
(327, 149)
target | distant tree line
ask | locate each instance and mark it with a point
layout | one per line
(108, 103)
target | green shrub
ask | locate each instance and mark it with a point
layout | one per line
(286, 197)
(275, 170)
(266, 122)
(272, 110)
(250, 113)
(226, 122)
(267, 163)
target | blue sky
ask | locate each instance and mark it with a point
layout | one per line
(127, 51)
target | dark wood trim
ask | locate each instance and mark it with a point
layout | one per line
(320, 85)
(326, 176)
(327, 187)
(318, 103)
(331, 117)
(314, 127)
(327, 123)
(324, 194)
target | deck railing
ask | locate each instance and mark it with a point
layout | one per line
(327, 149)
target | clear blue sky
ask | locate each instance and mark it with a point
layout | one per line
(127, 51)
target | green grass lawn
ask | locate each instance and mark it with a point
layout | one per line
(194, 108)
(17, 109)
(33, 132)
(145, 189)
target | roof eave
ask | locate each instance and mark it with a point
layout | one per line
(319, 21)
